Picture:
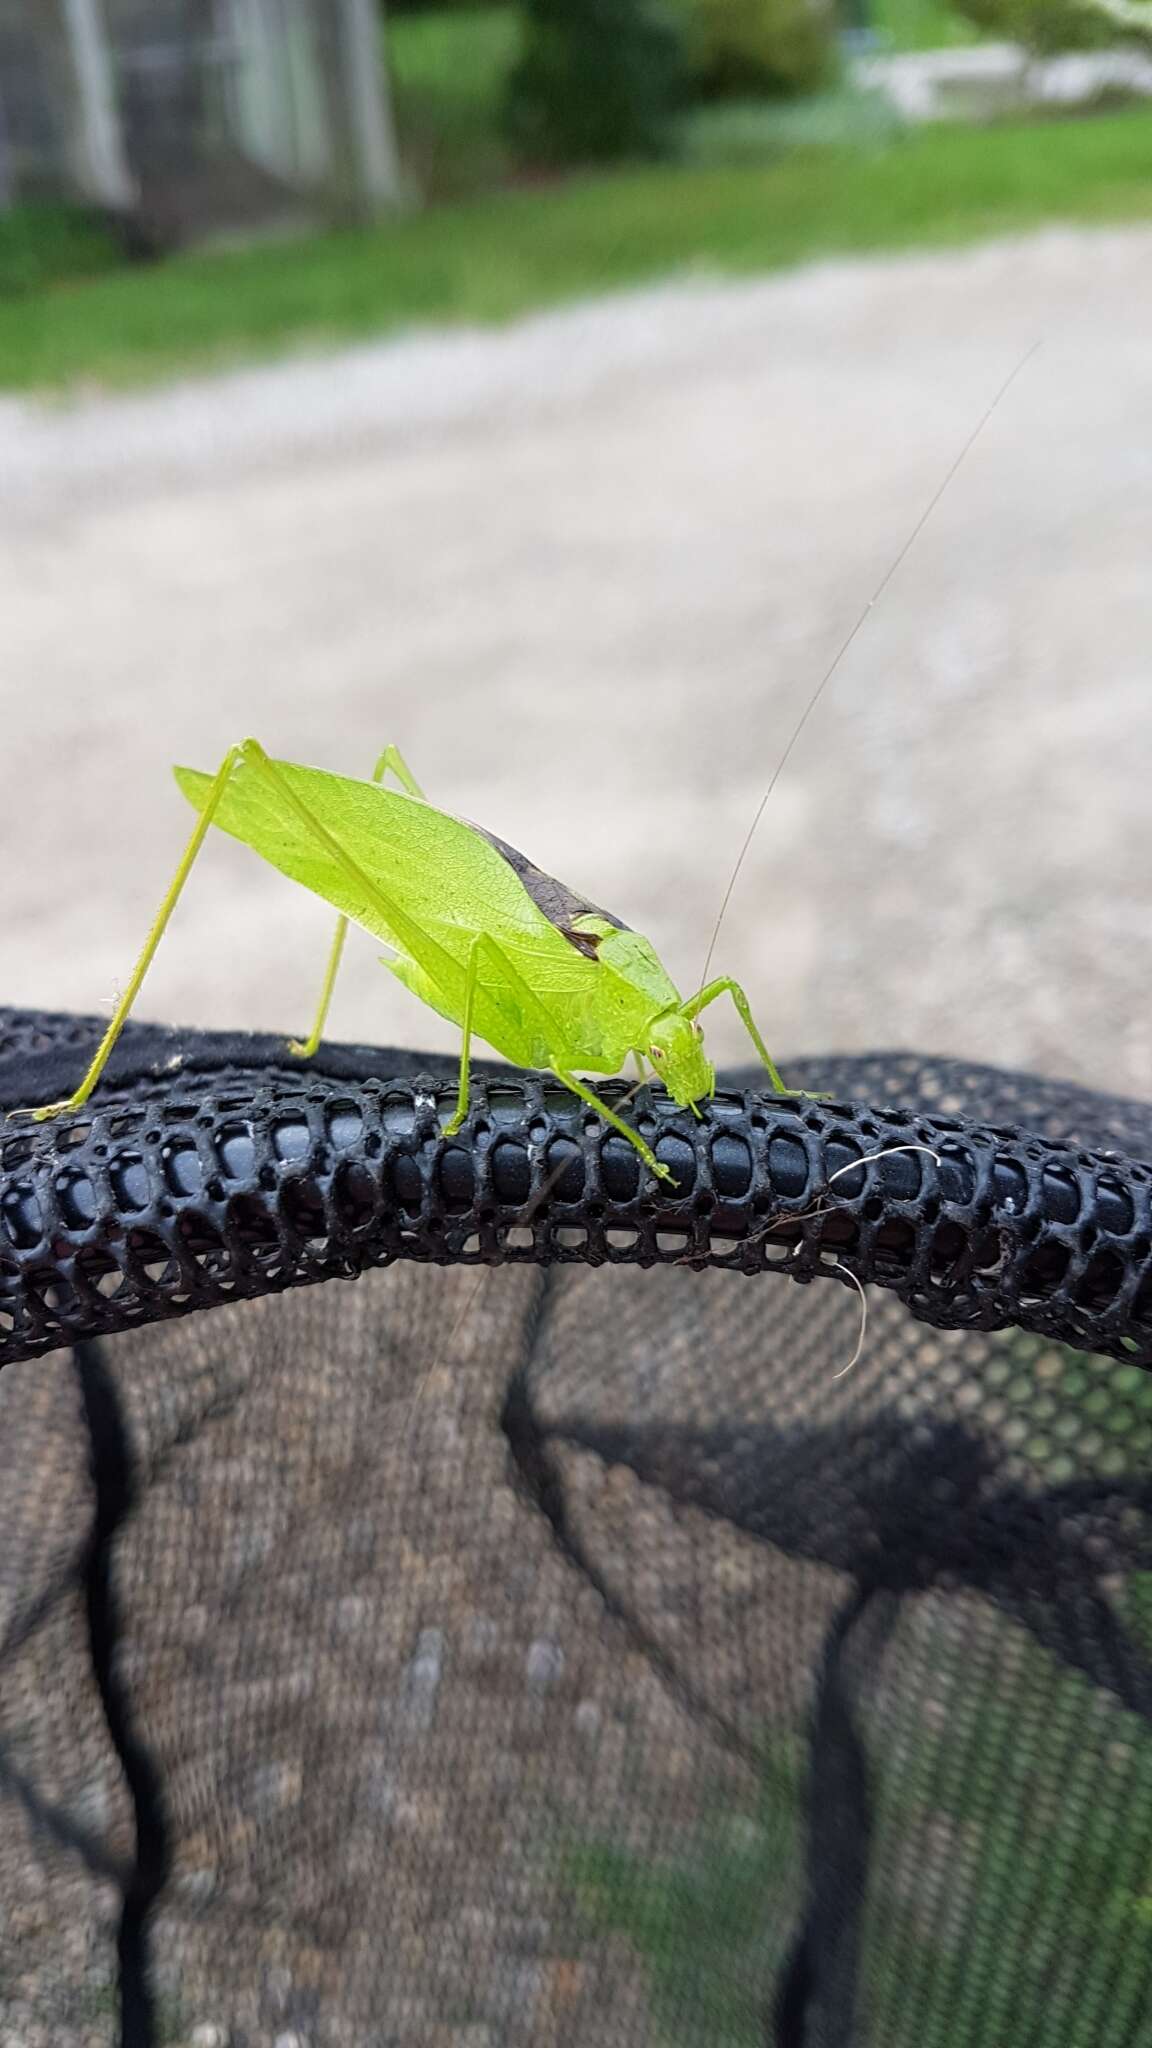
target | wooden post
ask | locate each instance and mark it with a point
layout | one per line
(101, 165)
(369, 102)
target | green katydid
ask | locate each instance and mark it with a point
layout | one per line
(475, 931)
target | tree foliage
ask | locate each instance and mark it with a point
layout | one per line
(741, 48)
(596, 79)
(1044, 26)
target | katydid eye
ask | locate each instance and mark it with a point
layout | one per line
(656, 1052)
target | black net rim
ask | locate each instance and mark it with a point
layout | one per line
(210, 1167)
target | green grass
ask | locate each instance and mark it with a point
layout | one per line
(508, 253)
(448, 75)
(702, 1922)
(1032, 1814)
(1010, 1897)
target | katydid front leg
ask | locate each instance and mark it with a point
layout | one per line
(725, 986)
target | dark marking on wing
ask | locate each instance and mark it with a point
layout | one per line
(560, 904)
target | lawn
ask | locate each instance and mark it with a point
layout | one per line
(511, 252)
(1045, 1910)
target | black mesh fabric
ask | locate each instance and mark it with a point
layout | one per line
(452, 1595)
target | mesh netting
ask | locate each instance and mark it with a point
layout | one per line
(558, 1651)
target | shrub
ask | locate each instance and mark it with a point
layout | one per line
(742, 47)
(449, 71)
(596, 79)
(44, 243)
(1043, 25)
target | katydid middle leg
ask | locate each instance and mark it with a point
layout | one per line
(391, 762)
(486, 948)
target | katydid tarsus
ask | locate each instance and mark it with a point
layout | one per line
(476, 931)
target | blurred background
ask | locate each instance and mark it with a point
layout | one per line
(546, 387)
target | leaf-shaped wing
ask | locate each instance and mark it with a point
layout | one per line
(427, 884)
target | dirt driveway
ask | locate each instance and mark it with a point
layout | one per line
(585, 571)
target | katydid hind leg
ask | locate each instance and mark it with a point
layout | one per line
(390, 762)
(405, 933)
(156, 931)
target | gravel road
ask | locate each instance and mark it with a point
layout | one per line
(585, 571)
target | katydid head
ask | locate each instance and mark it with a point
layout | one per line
(676, 1050)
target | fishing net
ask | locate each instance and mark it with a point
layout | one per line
(501, 1619)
